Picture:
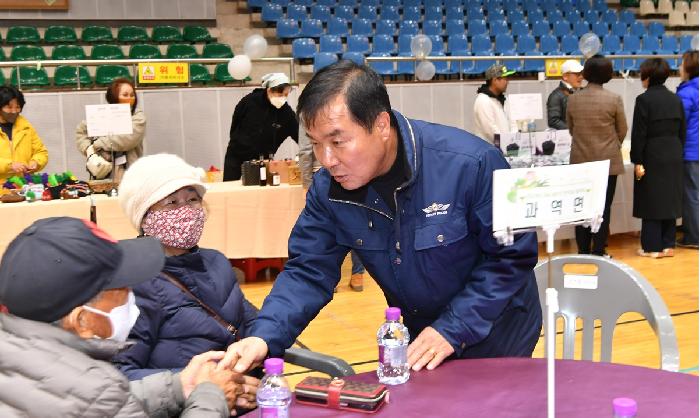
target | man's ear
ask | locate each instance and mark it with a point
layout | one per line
(383, 125)
(77, 322)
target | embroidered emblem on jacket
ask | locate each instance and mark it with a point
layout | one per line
(436, 209)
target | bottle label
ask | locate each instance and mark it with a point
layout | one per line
(393, 356)
(274, 412)
(263, 173)
(381, 354)
(276, 180)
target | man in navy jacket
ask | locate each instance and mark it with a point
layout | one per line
(413, 199)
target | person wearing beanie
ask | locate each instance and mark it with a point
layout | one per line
(195, 304)
(66, 309)
(261, 121)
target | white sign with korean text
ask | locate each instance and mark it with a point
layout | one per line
(545, 196)
(525, 106)
(108, 119)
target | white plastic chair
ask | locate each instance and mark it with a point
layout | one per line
(691, 19)
(620, 289)
(676, 18)
(695, 6)
(681, 6)
(646, 7)
(665, 7)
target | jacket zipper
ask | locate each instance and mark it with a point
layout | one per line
(398, 189)
(362, 206)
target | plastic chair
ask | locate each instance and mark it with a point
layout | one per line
(408, 27)
(481, 66)
(405, 44)
(383, 67)
(620, 289)
(609, 16)
(561, 28)
(619, 28)
(68, 75)
(432, 13)
(287, 28)
(344, 12)
(454, 12)
(581, 28)
(180, 51)
(196, 33)
(328, 3)
(324, 59)
(145, 51)
(681, 6)
(600, 5)
(499, 27)
(386, 27)
(650, 45)
(519, 28)
(454, 27)
(320, 12)
(656, 29)
(554, 16)
(222, 75)
(676, 19)
(358, 43)
(476, 27)
(591, 16)
(303, 48)
(338, 26)
(383, 44)
(669, 44)
(93, 34)
(331, 43)
(411, 13)
(60, 34)
(68, 52)
(127, 34)
(638, 28)
(569, 45)
(504, 45)
(611, 45)
(390, 13)
(685, 43)
(355, 57)
(217, 50)
(549, 45)
(29, 77)
(627, 17)
(481, 44)
(311, 28)
(199, 73)
(646, 7)
(362, 27)
(432, 27)
(27, 53)
(540, 28)
(692, 18)
(515, 16)
(105, 74)
(600, 28)
(271, 12)
(106, 52)
(165, 34)
(296, 11)
(458, 45)
(22, 35)
(367, 12)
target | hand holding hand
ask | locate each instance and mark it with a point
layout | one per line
(18, 167)
(428, 349)
(189, 375)
(244, 355)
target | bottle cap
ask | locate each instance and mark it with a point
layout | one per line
(274, 366)
(624, 406)
(392, 314)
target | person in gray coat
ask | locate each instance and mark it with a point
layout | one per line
(571, 78)
(66, 309)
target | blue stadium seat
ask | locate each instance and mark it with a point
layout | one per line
(355, 57)
(611, 45)
(526, 43)
(396, 3)
(344, 12)
(433, 3)
(568, 7)
(374, 3)
(650, 45)
(631, 44)
(497, 16)
(338, 26)
(581, 28)
(358, 43)
(530, 5)
(609, 16)
(362, 27)
(311, 28)
(319, 12)
(573, 16)
(454, 27)
(383, 44)
(569, 45)
(453, 3)
(349, 3)
(549, 6)
(591, 16)
(474, 12)
(287, 28)
(405, 44)
(583, 5)
(685, 43)
(306, 3)
(367, 12)
(256, 4)
(540, 28)
(303, 48)
(405, 68)
(619, 28)
(432, 27)
(386, 27)
(510, 5)
(412, 13)
(329, 3)
(627, 16)
(271, 12)
(519, 28)
(549, 45)
(534, 16)
(408, 27)
(476, 27)
(504, 44)
(296, 11)
(600, 5)
(656, 29)
(515, 16)
(481, 66)
(282, 3)
(383, 67)
(481, 44)
(413, 3)
(460, 48)
(670, 43)
(441, 67)
(432, 13)
(457, 44)
(498, 27)
(561, 28)
(324, 59)
(638, 28)
(555, 16)
(600, 28)
(532, 66)
(390, 13)
(454, 12)
(330, 43)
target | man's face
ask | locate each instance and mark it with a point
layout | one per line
(574, 79)
(352, 155)
(500, 84)
(89, 324)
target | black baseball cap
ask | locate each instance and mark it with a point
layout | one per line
(57, 264)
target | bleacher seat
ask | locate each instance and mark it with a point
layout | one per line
(650, 45)
(303, 48)
(676, 19)
(561, 28)
(554, 16)
(282, 3)
(144, 51)
(350, 3)
(519, 28)
(619, 28)
(255, 5)
(383, 44)
(681, 6)
(504, 44)
(181, 51)
(412, 3)
(368, 12)
(692, 18)
(432, 28)
(540, 28)
(515, 16)
(68, 52)
(408, 27)
(600, 28)
(432, 13)
(221, 73)
(362, 27)
(482, 65)
(411, 13)
(106, 52)
(296, 11)
(355, 57)
(166, 33)
(338, 26)
(549, 45)
(638, 28)
(390, 13)
(627, 17)
(476, 27)
(656, 29)
(217, 50)
(631, 44)
(433, 3)
(29, 77)
(573, 17)
(498, 27)
(481, 44)
(106, 73)
(454, 12)
(405, 44)
(60, 34)
(330, 43)
(128, 34)
(385, 27)
(22, 35)
(534, 16)
(454, 27)
(311, 28)
(196, 34)
(474, 12)
(327, 3)
(438, 50)
(383, 67)
(271, 12)
(685, 43)
(287, 28)
(611, 45)
(646, 7)
(27, 53)
(358, 43)
(324, 59)
(95, 34)
(609, 16)
(569, 45)
(458, 44)
(591, 16)
(68, 75)
(600, 5)
(453, 3)
(669, 45)
(581, 28)
(320, 12)
(199, 73)
(344, 12)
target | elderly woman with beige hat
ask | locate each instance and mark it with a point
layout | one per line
(195, 304)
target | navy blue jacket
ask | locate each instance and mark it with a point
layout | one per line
(688, 92)
(436, 259)
(172, 328)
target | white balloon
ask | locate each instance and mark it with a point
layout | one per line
(589, 44)
(425, 71)
(255, 46)
(694, 43)
(421, 46)
(239, 67)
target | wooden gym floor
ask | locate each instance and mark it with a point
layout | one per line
(346, 327)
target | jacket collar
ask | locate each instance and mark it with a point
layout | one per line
(487, 91)
(566, 86)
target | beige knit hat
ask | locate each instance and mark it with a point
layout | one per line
(153, 178)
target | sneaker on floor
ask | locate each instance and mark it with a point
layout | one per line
(654, 254)
(684, 244)
(356, 282)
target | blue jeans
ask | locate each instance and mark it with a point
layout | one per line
(690, 203)
(357, 267)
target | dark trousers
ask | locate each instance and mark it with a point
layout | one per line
(690, 203)
(658, 234)
(232, 167)
(584, 237)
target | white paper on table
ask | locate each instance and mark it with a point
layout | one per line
(108, 119)
(525, 106)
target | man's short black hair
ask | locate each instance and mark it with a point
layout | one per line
(656, 70)
(280, 88)
(7, 93)
(364, 92)
(598, 70)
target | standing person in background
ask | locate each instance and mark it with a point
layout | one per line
(596, 119)
(490, 110)
(261, 122)
(658, 134)
(309, 165)
(688, 92)
(125, 149)
(21, 149)
(571, 78)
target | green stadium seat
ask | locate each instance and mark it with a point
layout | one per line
(30, 77)
(23, 35)
(106, 73)
(60, 34)
(132, 34)
(199, 73)
(196, 34)
(27, 53)
(2, 79)
(163, 34)
(107, 52)
(3, 57)
(94, 34)
(68, 52)
(221, 73)
(65, 75)
(180, 51)
(217, 50)
(144, 51)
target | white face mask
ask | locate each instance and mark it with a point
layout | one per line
(121, 318)
(278, 101)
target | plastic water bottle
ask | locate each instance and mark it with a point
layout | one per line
(624, 408)
(273, 394)
(392, 339)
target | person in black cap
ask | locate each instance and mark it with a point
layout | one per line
(490, 109)
(67, 309)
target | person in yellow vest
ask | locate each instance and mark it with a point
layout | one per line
(21, 149)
